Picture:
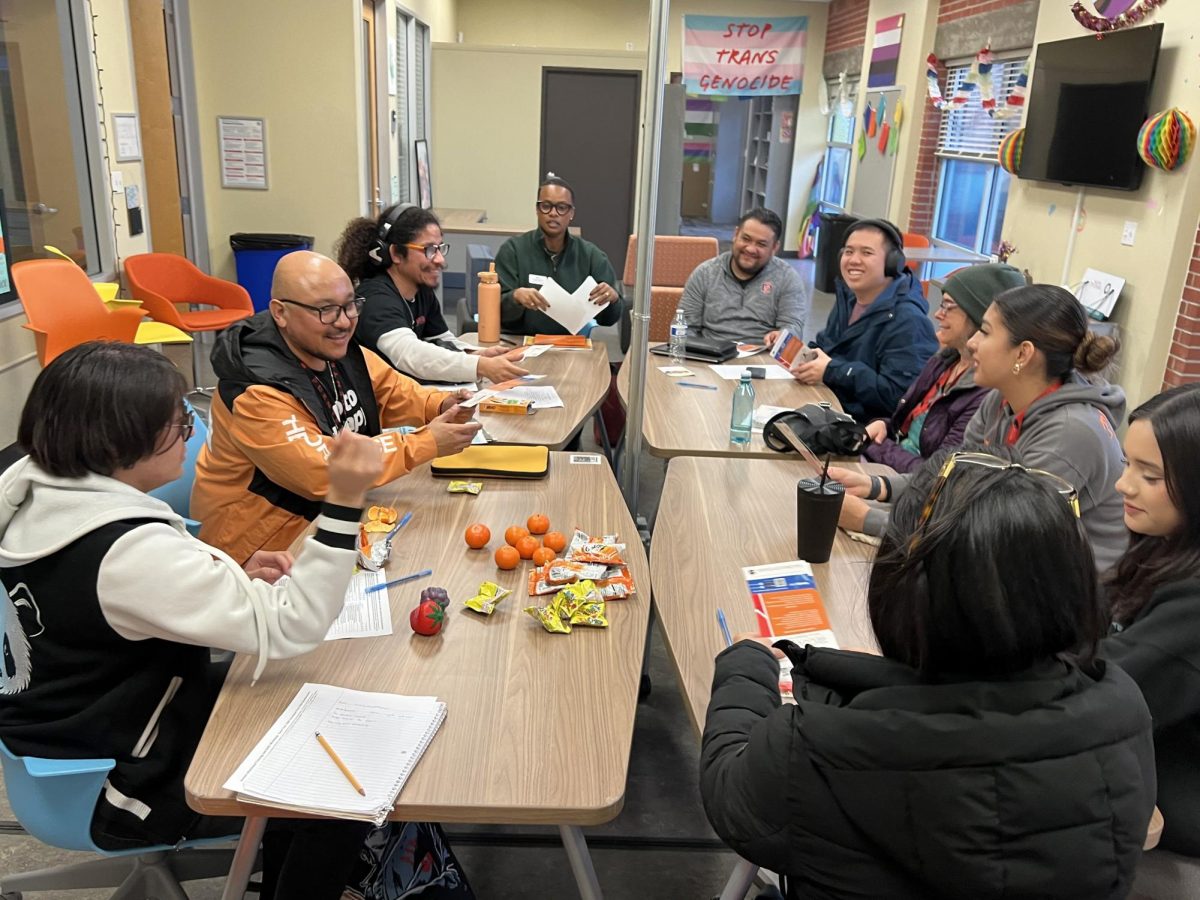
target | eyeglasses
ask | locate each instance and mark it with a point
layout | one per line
(329, 314)
(544, 206)
(947, 305)
(430, 250)
(987, 461)
(188, 427)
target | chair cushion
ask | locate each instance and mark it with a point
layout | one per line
(212, 319)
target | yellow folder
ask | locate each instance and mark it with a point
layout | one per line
(495, 461)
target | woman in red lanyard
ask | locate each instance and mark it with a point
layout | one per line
(1049, 404)
(935, 411)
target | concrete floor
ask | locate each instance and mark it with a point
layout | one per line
(662, 800)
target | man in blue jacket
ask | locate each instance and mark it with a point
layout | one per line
(878, 335)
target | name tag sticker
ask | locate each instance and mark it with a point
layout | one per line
(585, 459)
(538, 279)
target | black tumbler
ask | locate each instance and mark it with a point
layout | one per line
(817, 511)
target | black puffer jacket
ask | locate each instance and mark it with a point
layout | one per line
(877, 785)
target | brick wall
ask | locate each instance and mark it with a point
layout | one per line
(1183, 362)
(924, 196)
(847, 26)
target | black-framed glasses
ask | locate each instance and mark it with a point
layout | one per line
(329, 314)
(430, 250)
(188, 428)
(562, 208)
(1064, 488)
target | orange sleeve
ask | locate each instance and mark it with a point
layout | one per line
(278, 436)
(401, 400)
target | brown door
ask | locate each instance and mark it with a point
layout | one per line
(697, 178)
(156, 121)
(590, 138)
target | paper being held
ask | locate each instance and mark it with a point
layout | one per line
(570, 310)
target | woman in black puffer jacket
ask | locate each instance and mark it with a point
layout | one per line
(986, 754)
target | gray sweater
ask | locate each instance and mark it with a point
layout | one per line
(716, 305)
(1071, 433)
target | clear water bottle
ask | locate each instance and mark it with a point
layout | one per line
(742, 419)
(678, 337)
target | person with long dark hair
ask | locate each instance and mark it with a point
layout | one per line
(1050, 403)
(113, 605)
(395, 262)
(987, 753)
(1155, 595)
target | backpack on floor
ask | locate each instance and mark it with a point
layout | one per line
(405, 861)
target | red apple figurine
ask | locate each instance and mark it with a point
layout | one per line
(427, 619)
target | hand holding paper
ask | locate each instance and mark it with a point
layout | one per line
(572, 311)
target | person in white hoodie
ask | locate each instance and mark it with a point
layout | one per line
(112, 606)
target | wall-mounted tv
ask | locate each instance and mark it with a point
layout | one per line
(1088, 98)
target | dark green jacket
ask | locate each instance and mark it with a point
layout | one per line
(525, 255)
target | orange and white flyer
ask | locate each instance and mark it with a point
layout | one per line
(788, 606)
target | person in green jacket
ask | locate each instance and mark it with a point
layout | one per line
(525, 262)
(1155, 595)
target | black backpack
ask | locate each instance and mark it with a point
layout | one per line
(822, 429)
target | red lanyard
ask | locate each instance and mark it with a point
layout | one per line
(940, 387)
(329, 402)
(1014, 430)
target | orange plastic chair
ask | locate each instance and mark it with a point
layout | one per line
(164, 283)
(675, 257)
(64, 309)
(912, 239)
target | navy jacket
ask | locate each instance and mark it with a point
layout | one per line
(873, 361)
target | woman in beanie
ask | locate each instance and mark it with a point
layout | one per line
(1050, 404)
(935, 410)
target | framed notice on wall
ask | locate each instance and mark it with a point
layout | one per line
(128, 139)
(243, 143)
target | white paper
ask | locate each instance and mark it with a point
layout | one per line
(476, 399)
(571, 311)
(675, 371)
(380, 738)
(542, 397)
(734, 373)
(1099, 291)
(363, 615)
(535, 350)
(763, 414)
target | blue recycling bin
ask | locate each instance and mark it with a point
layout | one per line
(256, 256)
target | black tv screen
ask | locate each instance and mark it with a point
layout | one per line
(1087, 100)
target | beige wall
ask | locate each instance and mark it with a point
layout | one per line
(298, 68)
(1165, 209)
(18, 366)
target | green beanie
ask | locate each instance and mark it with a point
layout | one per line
(974, 287)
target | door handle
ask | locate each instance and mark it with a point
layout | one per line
(42, 209)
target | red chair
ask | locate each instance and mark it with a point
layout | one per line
(674, 259)
(166, 284)
(64, 309)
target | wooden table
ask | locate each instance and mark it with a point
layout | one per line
(682, 421)
(743, 515)
(539, 725)
(581, 378)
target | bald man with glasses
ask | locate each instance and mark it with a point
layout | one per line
(289, 379)
(526, 261)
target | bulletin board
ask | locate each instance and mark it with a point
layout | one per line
(874, 173)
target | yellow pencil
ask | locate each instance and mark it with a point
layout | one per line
(341, 765)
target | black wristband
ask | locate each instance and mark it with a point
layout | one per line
(876, 487)
(886, 493)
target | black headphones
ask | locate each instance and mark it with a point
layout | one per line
(894, 262)
(378, 251)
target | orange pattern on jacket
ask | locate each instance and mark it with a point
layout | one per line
(271, 431)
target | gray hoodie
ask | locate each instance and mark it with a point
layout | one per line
(1072, 433)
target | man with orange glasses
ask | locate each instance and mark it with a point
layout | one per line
(525, 262)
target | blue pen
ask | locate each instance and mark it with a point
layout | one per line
(403, 521)
(692, 384)
(413, 577)
(724, 628)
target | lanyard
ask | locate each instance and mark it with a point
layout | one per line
(1014, 430)
(328, 401)
(940, 388)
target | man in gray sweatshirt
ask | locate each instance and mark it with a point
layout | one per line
(746, 292)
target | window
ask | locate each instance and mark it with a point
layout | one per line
(412, 99)
(839, 141)
(972, 188)
(47, 177)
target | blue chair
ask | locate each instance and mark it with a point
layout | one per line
(54, 799)
(178, 494)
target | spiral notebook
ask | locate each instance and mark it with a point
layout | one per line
(379, 738)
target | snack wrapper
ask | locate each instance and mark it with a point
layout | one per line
(487, 599)
(549, 617)
(465, 487)
(605, 549)
(590, 614)
(573, 596)
(555, 574)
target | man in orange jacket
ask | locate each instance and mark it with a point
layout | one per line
(289, 378)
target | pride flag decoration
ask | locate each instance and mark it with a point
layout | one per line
(1167, 139)
(745, 56)
(885, 52)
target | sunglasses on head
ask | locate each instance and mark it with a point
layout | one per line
(985, 460)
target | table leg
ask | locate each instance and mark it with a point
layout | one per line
(739, 881)
(581, 862)
(243, 858)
